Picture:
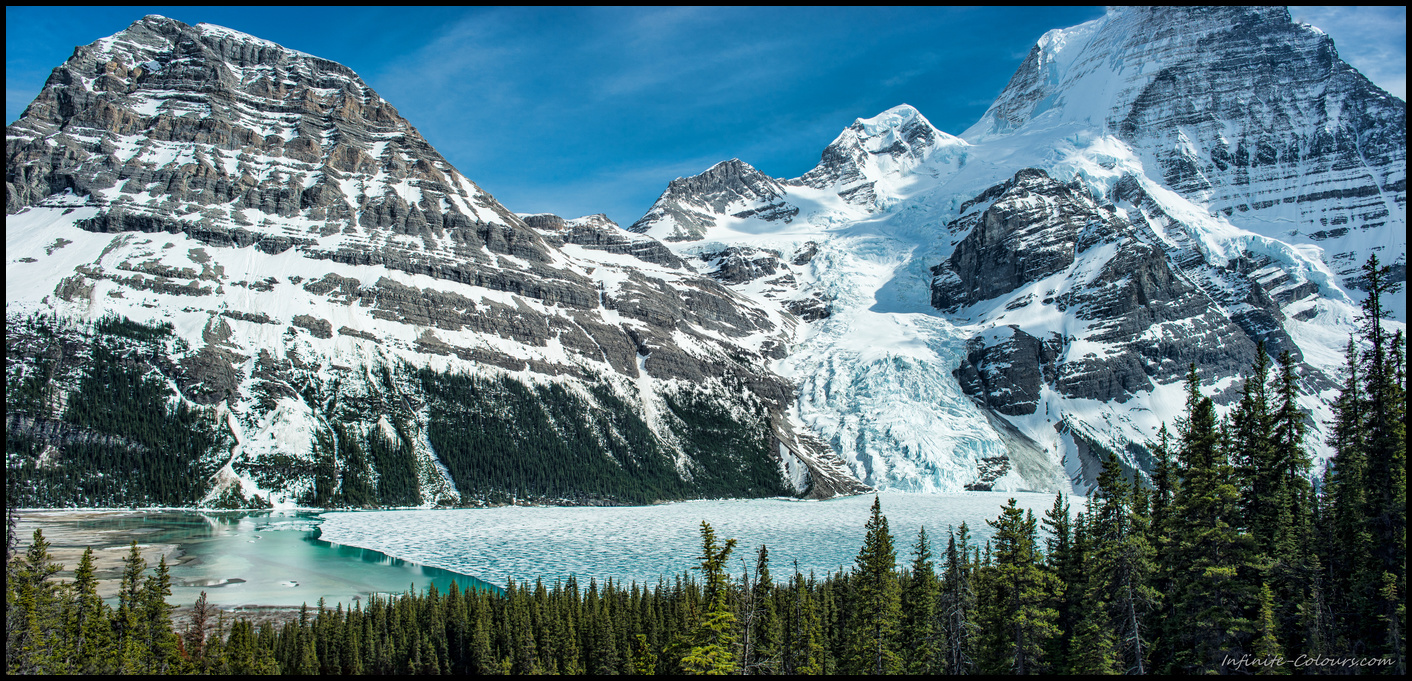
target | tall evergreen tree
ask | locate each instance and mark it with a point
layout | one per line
(1016, 598)
(1348, 543)
(765, 625)
(921, 640)
(127, 621)
(1064, 558)
(33, 638)
(1254, 455)
(1294, 559)
(1208, 560)
(156, 621)
(876, 601)
(957, 605)
(88, 623)
(1122, 567)
(1386, 443)
(712, 640)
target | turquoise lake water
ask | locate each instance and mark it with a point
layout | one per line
(288, 558)
(266, 558)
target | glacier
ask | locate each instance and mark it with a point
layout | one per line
(875, 376)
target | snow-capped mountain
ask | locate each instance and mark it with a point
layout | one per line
(323, 269)
(1240, 110)
(920, 311)
(1157, 187)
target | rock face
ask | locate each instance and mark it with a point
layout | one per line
(1159, 187)
(1237, 108)
(309, 245)
(880, 149)
(730, 187)
(1122, 317)
(894, 143)
(1156, 188)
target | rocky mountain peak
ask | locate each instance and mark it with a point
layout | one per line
(204, 127)
(692, 205)
(1093, 72)
(1237, 108)
(884, 147)
(215, 187)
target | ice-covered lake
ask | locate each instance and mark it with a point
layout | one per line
(642, 543)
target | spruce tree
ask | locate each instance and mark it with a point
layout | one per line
(88, 624)
(161, 641)
(1064, 558)
(1386, 459)
(876, 601)
(712, 640)
(957, 604)
(1295, 566)
(1015, 598)
(34, 636)
(1122, 567)
(921, 641)
(1349, 540)
(127, 621)
(803, 648)
(1254, 455)
(765, 630)
(1266, 647)
(1208, 561)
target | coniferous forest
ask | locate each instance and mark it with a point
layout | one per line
(1232, 560)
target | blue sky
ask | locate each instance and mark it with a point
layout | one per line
(578, 111)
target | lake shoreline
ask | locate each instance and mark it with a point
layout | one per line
(318, 509)
(262, 565)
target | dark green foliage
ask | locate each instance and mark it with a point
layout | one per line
(119, 440)
(500, 436)
(395, 462)
(113, 325)
(355, 488)
(921, 637)
(1117, 581)
(1210, 561)
(957, 605)
(731, 452)
(760, 620)
(1178, 577)
(1364, 541)
(875, 602)
(709, 647)
(1016, 597)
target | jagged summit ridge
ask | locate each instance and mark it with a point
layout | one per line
(125, 108)
(1155, 187)
(885, 147)
(1237, 108)
(869, 164)
(690, 205)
